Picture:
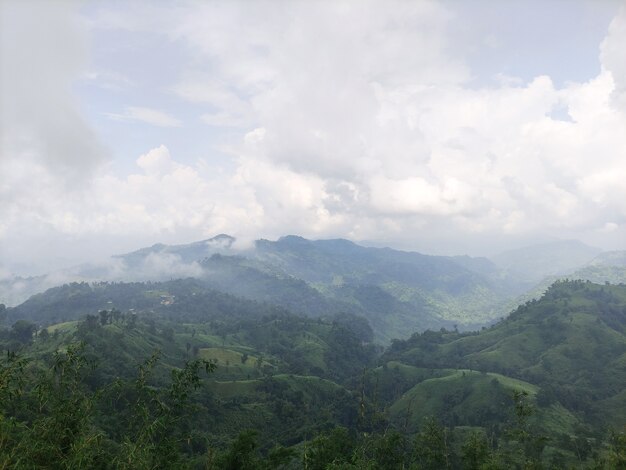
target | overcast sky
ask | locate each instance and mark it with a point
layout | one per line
(443, 127)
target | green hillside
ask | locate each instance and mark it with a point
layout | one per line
(571, 343)
(543, 388)
(436, 285)
(398, 292)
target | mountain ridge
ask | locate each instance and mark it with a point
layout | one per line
(397, 291)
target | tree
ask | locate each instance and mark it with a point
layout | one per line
(116, 314)
(23, 330)
(242, 453)
(475, 451)
(431, 446)
(49, 420)
(333, 448)
(44, 335)
(90, 322)
(59, 433)
(528, 444)
(104, 317)
(150, 440)
(617, 455)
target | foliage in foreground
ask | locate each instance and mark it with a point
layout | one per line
(295, 392)
(50, 419)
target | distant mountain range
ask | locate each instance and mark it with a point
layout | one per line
(398, 292)
(534, 263)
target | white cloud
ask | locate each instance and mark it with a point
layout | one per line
(613, 56)
(42, 49)
(150, 116)
(346, 119)
(157, 161)
(108, 80)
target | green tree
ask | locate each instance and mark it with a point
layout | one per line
(150, 440)
(527, 444)
(432, 450)
(335, 447)
(242, 453)
(44, 335)
(59, 433)
(104, 317)
(475, 451)
(23, 330)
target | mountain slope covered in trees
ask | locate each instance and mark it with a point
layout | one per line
(543, 387)
(397, 291)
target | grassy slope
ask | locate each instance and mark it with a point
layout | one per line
(573, 339)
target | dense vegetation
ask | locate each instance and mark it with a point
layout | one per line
(176, 375)
(398, 292)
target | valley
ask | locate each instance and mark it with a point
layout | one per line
(300, 344)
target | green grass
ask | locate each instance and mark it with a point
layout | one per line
(67, 326)
(233, 388)
(308, 383)
(228, 357)
(515, 384)
(469, 395)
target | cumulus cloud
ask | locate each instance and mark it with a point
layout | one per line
(157, 161)
(407, 135)
(613, 56)
(371, 99)
(350, 119)
(150, 116)
(42, 50)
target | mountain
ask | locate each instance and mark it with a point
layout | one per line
(185, 253)
(396, 291)
(454, 290)
(608, 267)
(610, 258)
(182, 300)
(158, 262)
(570, 346)
(536, 390)
(533, 263)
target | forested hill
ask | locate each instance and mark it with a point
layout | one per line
(184, 300)
(543, 388)
(571, 343)
(397, 291)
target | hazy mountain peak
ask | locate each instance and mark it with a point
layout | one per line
(221, 241)
(610, 258)
(535, 262)
(293, 240)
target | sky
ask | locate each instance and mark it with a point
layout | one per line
(444, 127)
